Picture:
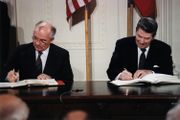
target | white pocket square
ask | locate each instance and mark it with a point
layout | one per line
(155, 66)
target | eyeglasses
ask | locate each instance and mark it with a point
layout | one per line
(41, 41)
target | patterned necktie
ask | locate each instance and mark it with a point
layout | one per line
(39, 63)
(142, 59)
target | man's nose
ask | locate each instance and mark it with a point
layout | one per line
(37, 42)
(142, 40)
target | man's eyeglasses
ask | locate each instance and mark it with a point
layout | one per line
(41, 41)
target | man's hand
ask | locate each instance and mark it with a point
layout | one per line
(43, 76)
(141, 73)
(125, 75)
(12, 76)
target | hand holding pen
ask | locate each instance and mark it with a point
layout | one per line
(13, 76)
(126, 75)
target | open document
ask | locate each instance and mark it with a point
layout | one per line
(150, 79)
(31, 82)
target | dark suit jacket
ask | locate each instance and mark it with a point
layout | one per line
(159, 57)
(57, 64)
(4, 35)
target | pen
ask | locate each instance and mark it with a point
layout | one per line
(125, 69)
(127, 75)
(16, 73)
(77, 90)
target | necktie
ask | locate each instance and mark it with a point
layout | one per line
(39, 63)
(142, 59)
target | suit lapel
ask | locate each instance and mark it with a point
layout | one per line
(132, 55)
(135, 56)
(32, 57)
(150, 57)
(49, 60)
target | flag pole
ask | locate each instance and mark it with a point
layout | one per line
(88, 54)
(130, 18)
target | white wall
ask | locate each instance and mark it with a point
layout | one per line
(108, 23)
(176, 33)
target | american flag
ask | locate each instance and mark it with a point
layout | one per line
(73, 5)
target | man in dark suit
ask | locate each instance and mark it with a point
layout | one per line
(52, 60)
(127, 62)
(4, 35)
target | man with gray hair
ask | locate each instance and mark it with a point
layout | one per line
(174, 113)
(13, 108)
(40, 59)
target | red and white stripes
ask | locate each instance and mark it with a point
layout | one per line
(73, 5)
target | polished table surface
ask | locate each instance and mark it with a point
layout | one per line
(100, 99)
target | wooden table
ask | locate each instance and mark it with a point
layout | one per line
(100, 99)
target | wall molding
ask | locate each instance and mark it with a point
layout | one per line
(164, 17)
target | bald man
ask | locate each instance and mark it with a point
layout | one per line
(13, 108)
(174, 113)
(40, 59)
(76, 115)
